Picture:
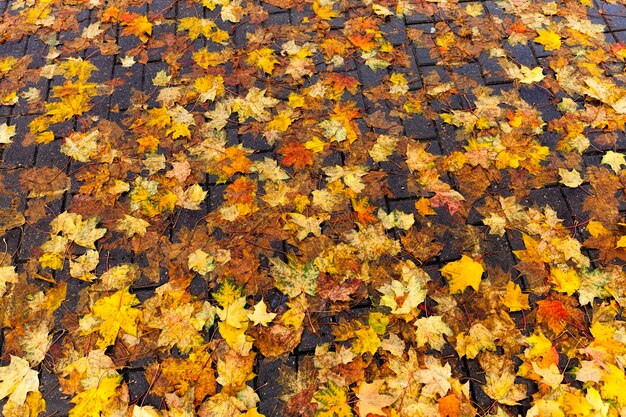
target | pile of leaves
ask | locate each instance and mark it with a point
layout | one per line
(266, 184)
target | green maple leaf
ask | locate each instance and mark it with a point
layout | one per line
(294, 278)
(333, 401)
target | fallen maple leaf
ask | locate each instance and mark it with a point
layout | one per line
(615, 160)
(571, 178)
(463, 273)
(261, 315)
(549, 39)
(333, 401)
(503, 389)
(137, 25)
(514, 299)
(110, 314)
(6, 133)
(17, 380)
(371, 401)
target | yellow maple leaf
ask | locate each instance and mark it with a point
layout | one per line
(45, 137)
(525, 74)
(145, 411)
(614, 159)
(595, 228)
(17, 380)
(303, 225)
(478, 338)
(95, 401)
(281, 121)
(158, 117)
(332, 401)
(6, 133)
(6, 64)
(324, 9)
(221, 405)
(7, 276)
(131, 226)
(82, 267)
(445, 41)
(263, 58)
(549, 39)
(234, 313)
(463, 273)
(503, 389)
(367, 341)
(261, 315)
(371, 401)
(206, 59)
(236, 338)
(81, 146)
(77, 67)
(474, 9)
(514, 299)
(32, 407)
(614, 383)
(565, 281)
(431, 330)
(315, 145)
(181, 325)
(200, 262)
(109, 315)
(403, 297)
(234, 370)
(571, 178)
(140, 27)
(255, 105)
(51, 260)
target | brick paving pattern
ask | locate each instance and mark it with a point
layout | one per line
(440, 138)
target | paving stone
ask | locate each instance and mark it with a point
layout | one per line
(397, 179)
(414, 18)
(266, 386)
(132, 79)
(394, 31)
(493, 9)
(50, 390)
(216, 197)
(13, 48)
(446, 137)
(411, 72)
(16, 155)
(497, 251)
(621, 36)
(10, 243)
(492, 72)
(419, 127)
(553, 198)
(614, 13)
(522, 54)
(370, 78)
(297, 16)
(50, 154)
(164, 8)
(316, 334)
(442, 139)
(38, 50)
(139, 387)
(277, 19)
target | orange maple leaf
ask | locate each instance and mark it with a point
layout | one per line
(242, 190)
(295, 154)
(136, 25)
(556, 315)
